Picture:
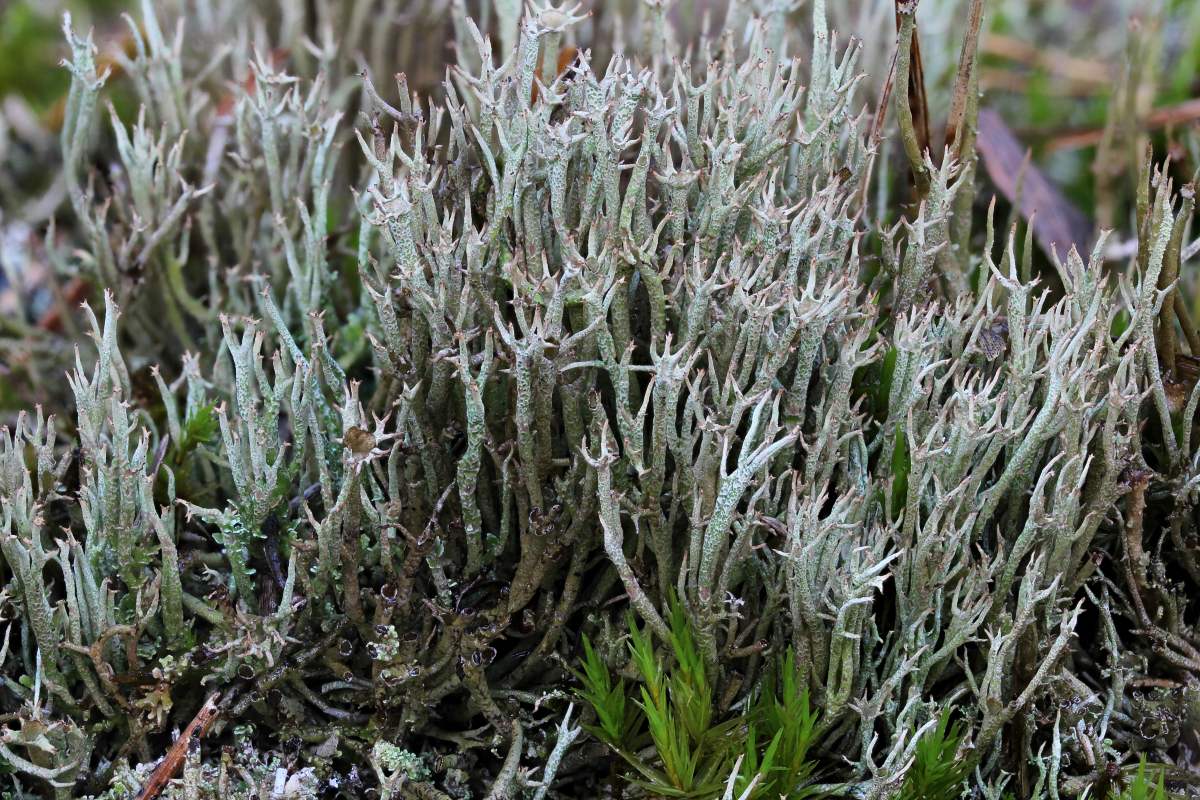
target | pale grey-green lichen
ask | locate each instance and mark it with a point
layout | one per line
(396, 392)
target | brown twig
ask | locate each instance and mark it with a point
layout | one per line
(1178, 114)
(885, 97)
(197, 728)
(1075, 70)
(218, 706)
(962, 81)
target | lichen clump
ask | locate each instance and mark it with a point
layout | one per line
(392, 399)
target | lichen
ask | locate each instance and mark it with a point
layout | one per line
(383, 399)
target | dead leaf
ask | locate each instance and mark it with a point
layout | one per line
(1058, 223)
(359, 440)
